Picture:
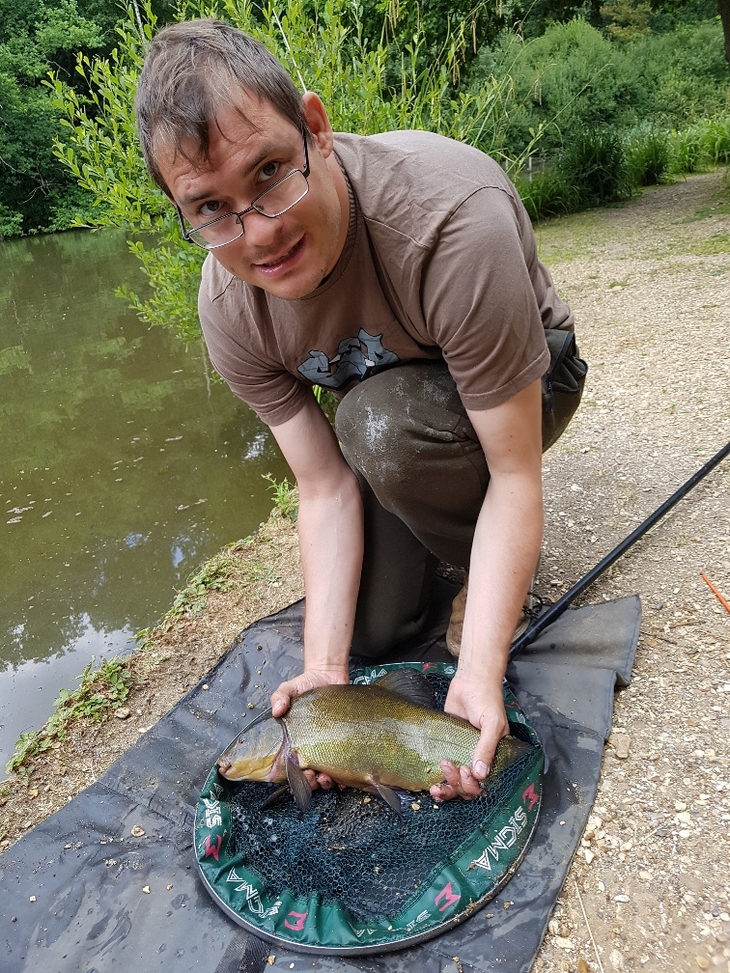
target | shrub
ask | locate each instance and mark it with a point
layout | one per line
(570, 79)
(687, 152)
(716, 139)
(648, 155)
(545, 194)
(594, 166)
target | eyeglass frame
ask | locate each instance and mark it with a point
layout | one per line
(249, 209)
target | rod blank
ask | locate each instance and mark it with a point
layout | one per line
(554, 611)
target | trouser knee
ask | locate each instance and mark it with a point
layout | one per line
(407, 433)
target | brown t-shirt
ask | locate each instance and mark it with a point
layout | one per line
(440, 261)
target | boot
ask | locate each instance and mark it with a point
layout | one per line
(455, 630)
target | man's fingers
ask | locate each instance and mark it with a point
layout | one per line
(483, 756)
(458, 782)
(469, 783)
(442, 792)
(280, 702)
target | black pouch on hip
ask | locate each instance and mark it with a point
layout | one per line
(562, 384)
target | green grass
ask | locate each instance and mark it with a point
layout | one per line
(100, 692)
(715, 244)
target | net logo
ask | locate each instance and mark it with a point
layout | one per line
(211, 848)
(448, 896)
(503, 840)
(299, 919)
(213, 817)
(531, 797)
(253, 899)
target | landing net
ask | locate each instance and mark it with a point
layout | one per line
(348, 876)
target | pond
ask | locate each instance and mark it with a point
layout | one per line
(124, 464)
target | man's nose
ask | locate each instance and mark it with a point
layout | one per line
(260, 231)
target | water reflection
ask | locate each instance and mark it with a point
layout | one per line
(122, 466)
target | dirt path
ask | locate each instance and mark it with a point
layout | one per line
(650, 284)
(648, 889)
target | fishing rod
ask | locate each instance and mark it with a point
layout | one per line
(554, 611)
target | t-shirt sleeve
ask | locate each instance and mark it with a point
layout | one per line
(249, 371)
(480, 303)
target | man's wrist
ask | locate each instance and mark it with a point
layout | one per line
(485, 672)
(327, 665)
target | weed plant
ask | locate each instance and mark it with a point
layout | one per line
(285, 496)
(191, 600)
(100, 692)
(648, 155)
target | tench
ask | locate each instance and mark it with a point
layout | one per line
(375, 738)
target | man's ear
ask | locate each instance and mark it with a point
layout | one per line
(319, 123)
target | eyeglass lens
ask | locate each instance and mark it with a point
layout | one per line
(272, 202)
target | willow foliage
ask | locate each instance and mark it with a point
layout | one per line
(325, 47)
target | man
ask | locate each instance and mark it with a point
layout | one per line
(400, 270)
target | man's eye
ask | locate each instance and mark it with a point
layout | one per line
(210, 209)
(269, 171)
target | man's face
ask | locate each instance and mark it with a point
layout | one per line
(288, 256)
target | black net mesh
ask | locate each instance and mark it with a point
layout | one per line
(350, 847)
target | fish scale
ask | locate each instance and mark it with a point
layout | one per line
(399, 743)
(364, 734)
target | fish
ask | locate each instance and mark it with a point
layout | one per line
(376, 738)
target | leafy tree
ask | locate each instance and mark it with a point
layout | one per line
(35, 193)
(625, 20)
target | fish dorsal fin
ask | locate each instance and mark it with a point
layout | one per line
(409, 683)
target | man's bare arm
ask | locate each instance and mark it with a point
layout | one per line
(330, 525)
(504, 554)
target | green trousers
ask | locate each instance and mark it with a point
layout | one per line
(423, 477)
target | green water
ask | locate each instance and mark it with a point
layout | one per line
(123, 465)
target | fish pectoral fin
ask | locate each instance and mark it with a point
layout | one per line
(298, 783)
(389, 796)
(411, 684)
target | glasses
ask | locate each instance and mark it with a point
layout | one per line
(272, 202)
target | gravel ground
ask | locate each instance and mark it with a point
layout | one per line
(650, 284)
(648, 889)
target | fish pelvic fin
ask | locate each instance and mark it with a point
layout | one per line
(301, 791)
(390, 797)
(274, 798)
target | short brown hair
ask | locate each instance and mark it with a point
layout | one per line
(194, 69)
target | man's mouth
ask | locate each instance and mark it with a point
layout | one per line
(270, 266)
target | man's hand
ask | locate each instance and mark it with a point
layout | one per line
(311, 679)
(483, 707)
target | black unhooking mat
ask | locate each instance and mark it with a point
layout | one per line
(82, 893)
